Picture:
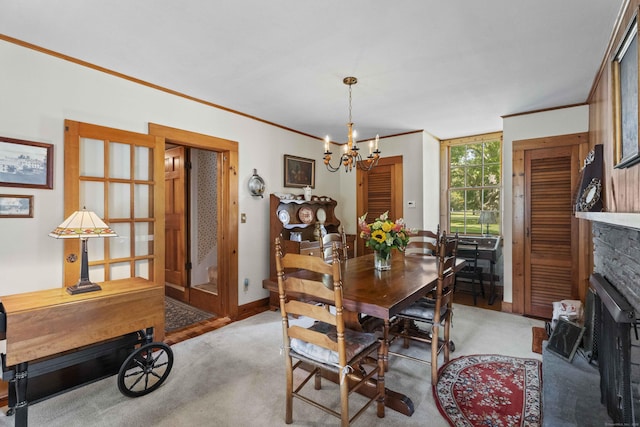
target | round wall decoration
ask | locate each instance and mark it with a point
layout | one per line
(256, 184)
(305, 214)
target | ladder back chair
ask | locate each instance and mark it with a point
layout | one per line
(423, 243)
(355, 359)
(435, 312)
(326, 245)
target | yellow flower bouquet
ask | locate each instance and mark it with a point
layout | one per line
(382, 235)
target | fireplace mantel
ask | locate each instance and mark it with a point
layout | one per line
(622, 219)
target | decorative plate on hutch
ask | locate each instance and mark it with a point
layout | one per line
(305, 214)
(283, 216)
(321, 215)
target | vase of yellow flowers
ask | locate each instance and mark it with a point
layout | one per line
(383, 235)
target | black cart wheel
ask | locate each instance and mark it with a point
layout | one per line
(145, 369)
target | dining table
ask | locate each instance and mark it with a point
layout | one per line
(370, 294)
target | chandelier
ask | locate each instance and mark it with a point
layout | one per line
(351, 156)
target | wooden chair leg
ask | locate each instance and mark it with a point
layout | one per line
(318, 379)
(381, 390)
(406, 325)
(434, 354)
(288, 417)
(447, 337)
(344, 400)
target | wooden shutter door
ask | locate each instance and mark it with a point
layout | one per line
(380, 190)
(551, 268)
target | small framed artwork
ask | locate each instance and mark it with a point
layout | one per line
(15, 206)
(565, 339)
(625, 99)
(25, 164)
(299, 172)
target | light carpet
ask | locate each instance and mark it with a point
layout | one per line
(234, 376)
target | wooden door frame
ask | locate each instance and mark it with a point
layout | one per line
(228, 210)
(585, 249)
(360, 196)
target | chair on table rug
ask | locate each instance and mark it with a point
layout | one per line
(354, 358)
(436, 312)
(468, 250)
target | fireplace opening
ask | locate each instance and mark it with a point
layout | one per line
(612, 343)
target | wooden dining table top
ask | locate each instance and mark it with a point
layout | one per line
(381, 294)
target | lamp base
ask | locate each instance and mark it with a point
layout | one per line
(82, 287)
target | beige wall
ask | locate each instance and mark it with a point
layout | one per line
(39, 91)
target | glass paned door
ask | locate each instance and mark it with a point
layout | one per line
(116, 177)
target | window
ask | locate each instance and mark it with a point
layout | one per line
(474, 184)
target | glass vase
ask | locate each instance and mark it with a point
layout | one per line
(382, 260)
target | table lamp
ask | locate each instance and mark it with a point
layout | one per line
(487, 217)
(83, 225)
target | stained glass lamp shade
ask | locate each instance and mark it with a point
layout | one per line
(83, 225)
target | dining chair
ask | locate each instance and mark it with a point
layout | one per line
(435, 312)
(327, 348)
(423, 243)
(340, 239)
(468, 250)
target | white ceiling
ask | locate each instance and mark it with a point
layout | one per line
(451, 68)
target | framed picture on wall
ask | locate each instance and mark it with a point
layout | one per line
(15, 206)
(625, 99)
(25, 164)
(299, 172)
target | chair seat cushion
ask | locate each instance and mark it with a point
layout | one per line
(355, 343)
(423, 309)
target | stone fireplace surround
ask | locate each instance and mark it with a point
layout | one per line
(617, 258)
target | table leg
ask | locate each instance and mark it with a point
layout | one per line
(22, 406)
(492, 287)
(385, 344)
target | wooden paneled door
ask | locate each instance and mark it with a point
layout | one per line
(224, 302)
(175, 227)
(546, 232)
(379, 190)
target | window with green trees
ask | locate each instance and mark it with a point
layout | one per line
(474, 185)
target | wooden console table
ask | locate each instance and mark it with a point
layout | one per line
(41, 325)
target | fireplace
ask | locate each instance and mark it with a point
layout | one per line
(612, 336)
(614, 346)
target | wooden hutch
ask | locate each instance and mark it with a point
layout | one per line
(292, 214)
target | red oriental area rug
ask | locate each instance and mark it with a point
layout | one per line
(490, 391)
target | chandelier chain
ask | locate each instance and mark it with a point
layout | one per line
(350, 120)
